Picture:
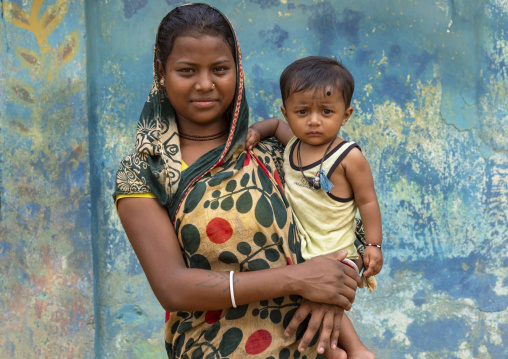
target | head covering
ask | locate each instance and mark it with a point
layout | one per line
(155, 165)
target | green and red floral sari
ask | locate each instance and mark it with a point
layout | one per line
(229, 212)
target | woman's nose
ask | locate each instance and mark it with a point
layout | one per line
(204, 83)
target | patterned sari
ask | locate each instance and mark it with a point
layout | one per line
(230, 213)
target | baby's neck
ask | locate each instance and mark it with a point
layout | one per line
(311, 153)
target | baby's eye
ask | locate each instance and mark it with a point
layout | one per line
(302, 112)
(326, 111)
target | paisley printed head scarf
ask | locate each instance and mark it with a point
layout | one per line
(155, 165)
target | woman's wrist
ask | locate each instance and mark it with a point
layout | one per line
(290, 281)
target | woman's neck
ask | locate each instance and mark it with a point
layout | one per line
(202, 129)
(198, 139)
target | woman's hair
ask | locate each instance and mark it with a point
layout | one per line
(318, 73)
(191, 20)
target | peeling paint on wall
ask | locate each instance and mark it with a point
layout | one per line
(46, 288)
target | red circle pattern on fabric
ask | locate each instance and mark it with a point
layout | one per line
(212, 316)
(258, 342)
(219, 230)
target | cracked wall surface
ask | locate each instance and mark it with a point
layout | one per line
(46, 286)
(430, 116)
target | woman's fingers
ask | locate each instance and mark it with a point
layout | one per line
(301, 313)
(313, 326)
(323, 316)
(325, 279)
(334, 339)
(326, 330)
(339, 256)
(353, 275)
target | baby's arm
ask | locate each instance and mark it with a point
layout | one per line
(268, 128)
(357, 171)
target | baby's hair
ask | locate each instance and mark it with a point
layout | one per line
(318, 73)
(191, 20)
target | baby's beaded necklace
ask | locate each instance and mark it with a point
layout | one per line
(320, 181)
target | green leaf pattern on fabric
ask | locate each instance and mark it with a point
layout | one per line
(235, 218)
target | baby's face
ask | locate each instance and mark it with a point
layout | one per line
(316, 116)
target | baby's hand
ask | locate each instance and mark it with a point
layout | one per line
(253, 138)
(372, 260)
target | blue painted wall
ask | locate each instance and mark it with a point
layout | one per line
(430, 115)
(46, 282)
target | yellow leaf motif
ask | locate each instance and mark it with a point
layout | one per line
(69, 47)
(53, 16)
(19, 91)
(30, 59)
(16, 15)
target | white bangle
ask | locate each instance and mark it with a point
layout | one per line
(351, 264)
(231, 290)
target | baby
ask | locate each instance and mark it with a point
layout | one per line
(327, 178)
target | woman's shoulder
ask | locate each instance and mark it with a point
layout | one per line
(270, 150)
(128, 175)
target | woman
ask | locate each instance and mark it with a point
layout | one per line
(208, 221)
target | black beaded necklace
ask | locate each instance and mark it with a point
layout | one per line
(313, 182)
(203, 138)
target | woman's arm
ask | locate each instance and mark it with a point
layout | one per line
(268, 128)
(151, 234)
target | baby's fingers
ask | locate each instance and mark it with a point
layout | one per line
(252, 140)
(372, 270)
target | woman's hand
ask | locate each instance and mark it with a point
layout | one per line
(324, 279)
(253, 138)
(321, 315)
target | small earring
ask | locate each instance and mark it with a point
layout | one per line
(162, 81)
(213, 85)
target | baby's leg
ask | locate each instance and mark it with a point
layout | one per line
(350, 342)
(335, 354)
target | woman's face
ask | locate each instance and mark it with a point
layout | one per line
(200, 79)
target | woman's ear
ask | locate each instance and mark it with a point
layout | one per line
(160, 69)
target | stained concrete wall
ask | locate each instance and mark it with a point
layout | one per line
(430, 115)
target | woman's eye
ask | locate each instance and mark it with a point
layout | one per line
(185, 71)
(221, 69)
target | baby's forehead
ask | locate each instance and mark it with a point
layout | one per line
(320, 91)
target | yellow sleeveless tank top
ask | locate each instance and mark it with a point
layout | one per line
(326, 222)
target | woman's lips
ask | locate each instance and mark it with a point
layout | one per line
(203, 103)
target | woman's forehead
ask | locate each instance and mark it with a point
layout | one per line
(204, 46)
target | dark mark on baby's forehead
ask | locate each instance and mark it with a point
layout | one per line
(328, 93)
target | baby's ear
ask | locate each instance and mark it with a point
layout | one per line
(347, 115)
(283, 109)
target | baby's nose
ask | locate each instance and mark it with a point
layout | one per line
(314, 119)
